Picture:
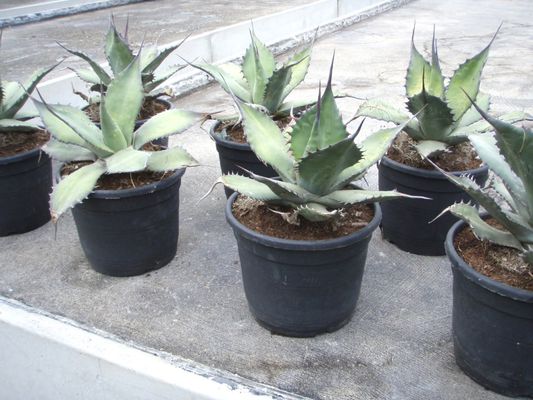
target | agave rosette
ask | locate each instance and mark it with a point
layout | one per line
(259, 81)
(119, 56)
(444, 114)
(115, 147)
(316, 160)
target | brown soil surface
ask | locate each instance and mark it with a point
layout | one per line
(235, 133)
(256, 215)
(149, 108)
(461, 157)
(122, 181)
(503, 264)
(12, 143)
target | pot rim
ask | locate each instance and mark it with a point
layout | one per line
(475, 277)
(290, 244)
(24, 155)
(426, 173)
(225, 142)
(138, 191)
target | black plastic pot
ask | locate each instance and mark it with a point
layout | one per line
(25, 186)
(406, 221)
(233, 155)
(492, 328)
(132, 231)
(297, 287)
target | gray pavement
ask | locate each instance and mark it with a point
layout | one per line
(28, 47)
(398, 344)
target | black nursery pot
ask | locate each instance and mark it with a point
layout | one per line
(25, 186)
(297, 287)
(233, 155)
(131, 231)
(406, 221)
(492, 326)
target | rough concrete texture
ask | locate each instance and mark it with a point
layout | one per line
(398, 344)
(28, 47)
(26, 12)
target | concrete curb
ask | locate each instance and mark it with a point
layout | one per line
(38, 12)
(61, 359)
(285, 30)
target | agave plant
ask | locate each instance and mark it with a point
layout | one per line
(445, 116)
(316, 160)
(508, 196)
(119, 55)
(13, 96)
(259, 81)
(115, 147)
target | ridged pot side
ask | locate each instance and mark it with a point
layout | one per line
(25, 186)
(492, 325)
(297, 287)
(233, 156)
(406, 221)
(132, 231)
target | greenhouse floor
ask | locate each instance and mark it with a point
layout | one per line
(398, 343)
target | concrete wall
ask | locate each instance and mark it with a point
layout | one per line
(51, 358)
(282, 31)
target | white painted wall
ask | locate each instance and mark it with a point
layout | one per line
(293, 26)
(44, 358)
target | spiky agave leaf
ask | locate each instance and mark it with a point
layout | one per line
(71, 125)
(446, 117)
(321, 126)
(74, 188)
(481, 229)
(373, 148)
(117, 50)
(170, 159)
(421, 74)
(508, 218)
(465, 81)
(65, 152)
(124, 98)
(258, 81)
(310, 181)
(299, 65)
(229, 78)
(488, 151)
(127, 160)
(318, 171)
(165, 124)
(16, 95)
(257, 68)
(249, 187)
(104, 77)
(13, 125)
(516, 146)
(267, 142)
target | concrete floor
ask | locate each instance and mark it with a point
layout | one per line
(398, 344)
(28, 47)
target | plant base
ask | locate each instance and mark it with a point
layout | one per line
(235, 156)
